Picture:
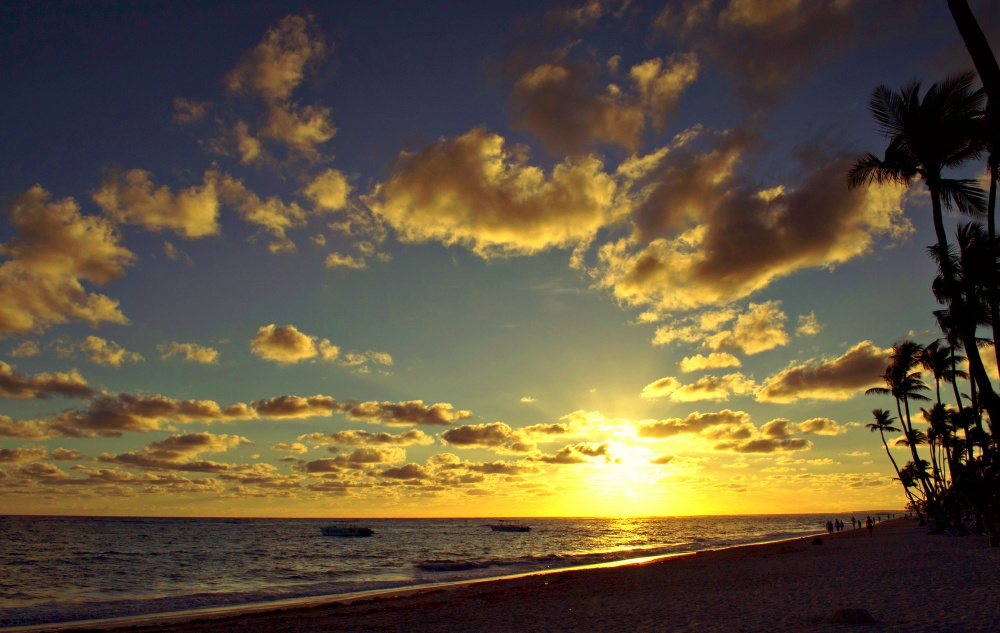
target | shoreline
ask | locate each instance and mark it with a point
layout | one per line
(905, 579)
(236, 610)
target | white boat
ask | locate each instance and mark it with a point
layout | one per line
(504, 526)
(343, 529)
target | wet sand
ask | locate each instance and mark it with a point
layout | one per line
(903, 578)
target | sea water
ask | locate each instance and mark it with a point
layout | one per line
(60, 569)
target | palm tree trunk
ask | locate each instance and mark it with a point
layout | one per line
(899, 476)
(913, 449)
(967, 330)
(954, 381)
(978, 47)
(993, 292)
(989, 73)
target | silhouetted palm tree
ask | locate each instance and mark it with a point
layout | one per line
(883, 424)
(904, 384)
(989, 74)
(926, 136)
(947, 325)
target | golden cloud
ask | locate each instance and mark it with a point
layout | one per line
(494, 435)
(759, 329)
(694, 423)
(364, 438)
(271, 72)
(130, 198)
(191, 352)
(277, 65)
(56, 248)
(12, 455)
(339, 260)
(295, 447)
(272, 215)
(704, 238)
(827, 379)
(407, 472)
(110, 416)
(478, 192)
(714, 388)
(581, 453)
(289, 407)
(176, 453)
(765, 445)
(286, 345)
(329, 190)
(20, 386)
(409, 413)
(821, 426)
(98, 351)
(715, 360)
(809, 325)
(660, 388)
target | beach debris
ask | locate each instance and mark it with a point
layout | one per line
(849, 616)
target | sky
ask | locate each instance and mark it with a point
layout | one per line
(434, 259)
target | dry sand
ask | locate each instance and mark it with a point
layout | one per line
(905, 579)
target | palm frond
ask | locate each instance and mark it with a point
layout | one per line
(964, 195)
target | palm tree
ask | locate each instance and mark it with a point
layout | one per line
(976, 273)
(883, 424)
(947, 325)
(989, 73)
(978, 47)
(935, 358)
(926, 136)
(904, 384)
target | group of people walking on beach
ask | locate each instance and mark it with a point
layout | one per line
(837, 525)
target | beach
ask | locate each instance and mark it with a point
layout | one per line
(902, 577)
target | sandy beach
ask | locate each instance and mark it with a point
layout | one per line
(903, 578)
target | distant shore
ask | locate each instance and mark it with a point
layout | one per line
(903, 578)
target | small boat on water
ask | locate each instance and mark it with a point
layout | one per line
(343, 529)
(505, 526)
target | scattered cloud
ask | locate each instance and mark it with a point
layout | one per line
(765, 445)
(821, 426)
(661, 388)
(291, 448)
(571, 104)
(715, 360)
(285, 345)
(26, 349)
(714, 388)
(808, 325)
(364, 438)
(190, 352)
(827, 379)
(581, 453)
(705, 238)
(130, 197)
(177, 452)
(55, 250)
(495, 435)
(97, 350)
(480, 192)
(692, 424)
(16, 386)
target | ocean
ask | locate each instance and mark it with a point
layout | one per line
(63, 569)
